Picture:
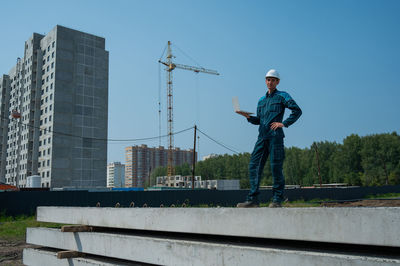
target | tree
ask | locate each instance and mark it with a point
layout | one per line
(369, 160)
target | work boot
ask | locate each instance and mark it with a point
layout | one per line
(247, 204)
(275, 205)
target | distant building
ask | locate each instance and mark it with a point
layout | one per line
(212, 155)
(116, 175)
(178, 181)
(141, 160)
(54, 109)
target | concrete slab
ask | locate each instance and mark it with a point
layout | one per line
(161, 251)
(367, 226)
(40, 257)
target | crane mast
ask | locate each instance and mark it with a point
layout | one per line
(170, 66)
(170, 114)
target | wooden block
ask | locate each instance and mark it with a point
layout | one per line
(76, 228)
(69, 254)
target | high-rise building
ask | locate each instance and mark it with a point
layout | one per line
(141, 160)
(115, 174)
(54, 111)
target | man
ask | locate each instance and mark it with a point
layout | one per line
(270, 111)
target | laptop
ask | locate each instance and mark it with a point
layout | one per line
(236, 106)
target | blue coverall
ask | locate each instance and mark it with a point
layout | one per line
(270, 108)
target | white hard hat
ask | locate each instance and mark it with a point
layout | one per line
(272, 74)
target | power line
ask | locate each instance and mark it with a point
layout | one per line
(126, 140)
(98, 139)
(219, 143)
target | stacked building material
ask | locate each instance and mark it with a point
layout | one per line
(216, 236)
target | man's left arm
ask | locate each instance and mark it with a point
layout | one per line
(296, 111)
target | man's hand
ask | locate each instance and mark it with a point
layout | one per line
(276, 125)
(243, 114)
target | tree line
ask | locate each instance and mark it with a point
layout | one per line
(371, 160)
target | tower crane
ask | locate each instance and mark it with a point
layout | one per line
(170, 66)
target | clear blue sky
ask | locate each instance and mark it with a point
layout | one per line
(339, 60)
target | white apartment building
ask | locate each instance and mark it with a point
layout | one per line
(59, 88)
(178, 181)
(115, 175)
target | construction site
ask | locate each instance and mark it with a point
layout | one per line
(140, 228)
(71, 105)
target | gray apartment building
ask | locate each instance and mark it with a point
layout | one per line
(54, 111)
(141, 160)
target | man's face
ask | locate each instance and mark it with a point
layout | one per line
(271, 83)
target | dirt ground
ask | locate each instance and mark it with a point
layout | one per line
(364, 203)
(11, 250)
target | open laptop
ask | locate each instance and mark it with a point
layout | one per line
(236, 107)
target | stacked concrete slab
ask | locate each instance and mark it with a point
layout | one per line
(220, 236)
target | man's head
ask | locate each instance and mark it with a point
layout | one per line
(272, 79)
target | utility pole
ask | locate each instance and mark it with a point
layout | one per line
(194, 155)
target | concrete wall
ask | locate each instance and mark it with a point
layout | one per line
(25, 202)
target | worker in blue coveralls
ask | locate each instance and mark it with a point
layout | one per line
(270, 111)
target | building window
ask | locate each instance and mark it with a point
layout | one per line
(52, 74)
(48, 48)
(52, 55)
(52, 65)
(52, 45)
(48, 58)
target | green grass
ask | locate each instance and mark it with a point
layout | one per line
(14, 228)
(384, 196)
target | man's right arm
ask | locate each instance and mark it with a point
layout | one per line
(255, 120)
